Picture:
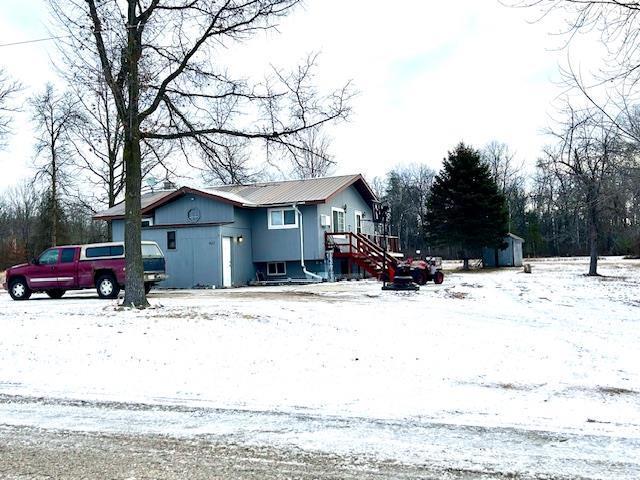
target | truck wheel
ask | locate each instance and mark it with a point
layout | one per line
(147, 288)
(107, 287)
(438, 278)
(56, 293)
(19, 290)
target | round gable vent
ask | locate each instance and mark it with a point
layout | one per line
(193, 215)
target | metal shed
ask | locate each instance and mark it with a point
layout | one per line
(510, 256)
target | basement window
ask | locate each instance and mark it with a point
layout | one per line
(280, 218)
(276, 268)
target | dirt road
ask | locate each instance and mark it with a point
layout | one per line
(44, 438)
(35, 454)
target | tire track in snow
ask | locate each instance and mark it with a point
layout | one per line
(415, 442)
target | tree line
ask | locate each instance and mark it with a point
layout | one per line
(582, 198)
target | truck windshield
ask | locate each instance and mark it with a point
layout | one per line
(150, 250)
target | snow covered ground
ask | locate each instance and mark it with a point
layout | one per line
(497, 370)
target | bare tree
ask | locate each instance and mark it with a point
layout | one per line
(502, 162)
(611, 89)
(53, 115)
(97, 142)
(406, 190)
(98, 138)
(229, 163)
(313, 159)
(507, 173)
(158, 58)
(616, 21)
(588, 153)
(18, 227)
(614, 84)
(8, 89)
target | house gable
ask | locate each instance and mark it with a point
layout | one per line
(193, 209)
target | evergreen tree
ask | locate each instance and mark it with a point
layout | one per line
(465, 209)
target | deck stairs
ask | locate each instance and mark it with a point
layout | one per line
(361, 250)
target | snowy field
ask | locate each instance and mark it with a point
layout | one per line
(494, 371)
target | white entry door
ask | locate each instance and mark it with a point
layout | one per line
(226, 261)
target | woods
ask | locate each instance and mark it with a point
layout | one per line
(582, 197)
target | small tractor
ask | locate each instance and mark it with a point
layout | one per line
(428, 270)
(410, 274)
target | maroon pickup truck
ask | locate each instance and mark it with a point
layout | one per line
(76, 267)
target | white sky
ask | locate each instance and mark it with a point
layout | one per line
(429, 74)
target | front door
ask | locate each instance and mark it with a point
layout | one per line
(226, 262)
(358, 222)
(44, 274)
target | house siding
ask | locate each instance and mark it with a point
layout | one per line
(197, 259)
(195, 262)
(211, 211)
(354, 202)
(284, 244)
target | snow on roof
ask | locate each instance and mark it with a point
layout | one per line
(230, 196)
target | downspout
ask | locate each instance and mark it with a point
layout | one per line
(304, 268)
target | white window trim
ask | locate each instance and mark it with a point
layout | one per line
(336, 209)
(276, 274)
(281, 227)
(147, 219)
(356, 214)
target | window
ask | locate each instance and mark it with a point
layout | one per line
(276, 268)
(149, 250)
(358, 221)
(147, 222)
(50, 257)
(105, 251)
(171, 240)
(68, 255)
(339, 224)
(282, 218)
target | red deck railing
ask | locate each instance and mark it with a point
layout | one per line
(361, 250)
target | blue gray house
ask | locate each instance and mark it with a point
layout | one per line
(232, 235)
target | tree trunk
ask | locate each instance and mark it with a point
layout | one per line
(134, 295)
(465, 263)
(54, 193)
(134, 290)
(593, 240)
(54, 215)
(111, 199)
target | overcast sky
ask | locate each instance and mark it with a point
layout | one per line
(429, 74)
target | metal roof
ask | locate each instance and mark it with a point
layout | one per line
(314, 190)
(146, 200)
(514, 236)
